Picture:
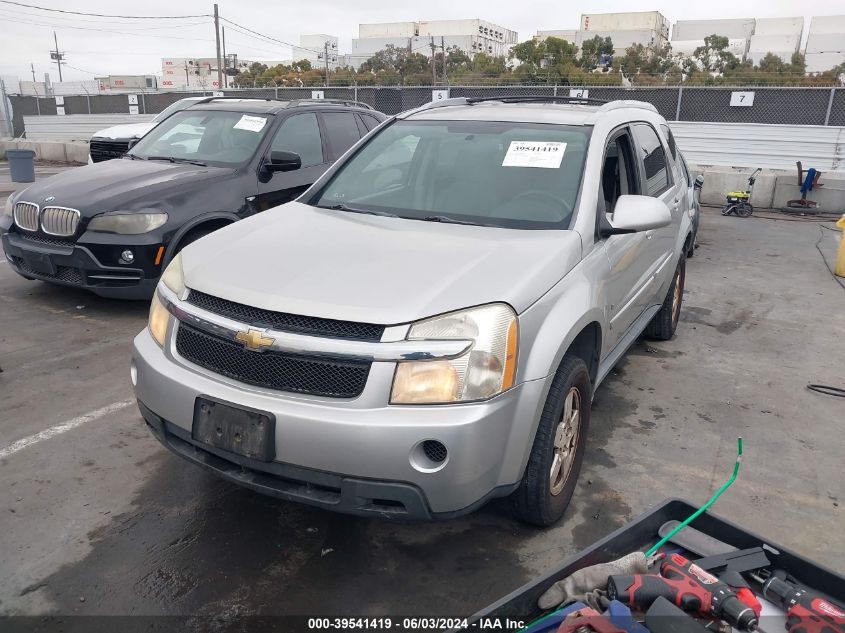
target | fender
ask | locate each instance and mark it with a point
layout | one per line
(193, 223)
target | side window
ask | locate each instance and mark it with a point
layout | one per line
(619, 175)
(301, 134)
(342, 132)
(673, 149)
(654, 159)
(369, 121)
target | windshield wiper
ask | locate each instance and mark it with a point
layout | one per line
(174, 159)
(133, 157)
(343, 207)
(447, 220)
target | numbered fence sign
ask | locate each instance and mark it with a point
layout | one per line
(133, 99)
(742, 99)
(579, 93)
(318, 94)
(218, 93)
(439, 95)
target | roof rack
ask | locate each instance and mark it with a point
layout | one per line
(627, 103)
(210, 99)
(536, 98)
(349, 102)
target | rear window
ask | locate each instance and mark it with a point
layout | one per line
(517, 175)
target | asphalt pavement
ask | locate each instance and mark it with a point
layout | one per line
(97, 519)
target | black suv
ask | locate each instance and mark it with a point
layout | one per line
(112, 227)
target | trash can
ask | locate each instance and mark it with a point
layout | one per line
(21, 164)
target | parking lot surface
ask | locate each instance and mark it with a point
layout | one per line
(97, 518)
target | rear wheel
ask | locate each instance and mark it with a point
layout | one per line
(744, 210)
(555, 461)
(662, 327)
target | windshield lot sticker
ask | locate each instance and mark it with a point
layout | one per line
(546, 155)
(251, 123)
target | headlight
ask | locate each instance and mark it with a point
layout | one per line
(158, 320)
(486, 370)
(172, 276)
(9, 207)
(127, 223)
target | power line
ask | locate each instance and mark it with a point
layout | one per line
(104, 15)
(278, 41)
(73, 19)
(83, 28)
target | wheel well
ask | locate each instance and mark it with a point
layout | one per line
(587, 347)
(687, 242)
(203, 227)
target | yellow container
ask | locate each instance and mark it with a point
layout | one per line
(840, 257)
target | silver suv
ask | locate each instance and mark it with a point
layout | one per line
(424, 328)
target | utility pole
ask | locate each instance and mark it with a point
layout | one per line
(57, 56)
(32, 68)
(443, 52)
(217, 39)
(433, 66)
(326, 60)
(225, 59)
(187, 81)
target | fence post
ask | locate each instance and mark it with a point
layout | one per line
(143, 104)
(356, 92)
(829, 106)
(276, 90)
(555, 91)
(678, 107)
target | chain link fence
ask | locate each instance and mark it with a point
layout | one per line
(781, 105)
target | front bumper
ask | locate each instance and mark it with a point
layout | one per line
(75, 265)
(354, 455)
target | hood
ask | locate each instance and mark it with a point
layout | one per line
(119, 184)
(127, 131)
(348, 266)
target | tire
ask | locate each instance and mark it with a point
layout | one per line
(691, 248)
(662, 326)
(744, 210)
(539, 500)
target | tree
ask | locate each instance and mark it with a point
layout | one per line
(392, 65)
(593, 49)
(771, 63)
(714, 57)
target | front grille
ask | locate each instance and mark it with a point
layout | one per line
(274, 370)
(59, 220)
(66, 274)
(26, 215)
(50, 241)
(285, 322)
(106, 150)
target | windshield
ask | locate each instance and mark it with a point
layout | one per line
(209, 137)
(518, 175)
(173, 107)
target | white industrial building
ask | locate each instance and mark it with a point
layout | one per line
(181, 73)
(687, 35)
(780, 36)
(649, 28)
(471, 36)
(317, 48)
(825, 43)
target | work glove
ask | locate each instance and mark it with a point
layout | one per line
(589, 585)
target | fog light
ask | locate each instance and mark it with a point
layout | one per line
(127, 257)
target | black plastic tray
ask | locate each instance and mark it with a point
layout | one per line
(639, 535)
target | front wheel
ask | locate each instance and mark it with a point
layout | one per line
(744, 210)
(555, 461)
(662, 327)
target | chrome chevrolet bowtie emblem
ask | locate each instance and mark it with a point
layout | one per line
(254, 340)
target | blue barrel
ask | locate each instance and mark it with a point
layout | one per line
(21, 164)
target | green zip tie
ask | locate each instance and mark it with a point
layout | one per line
(703, 508)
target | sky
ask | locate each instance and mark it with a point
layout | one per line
(121, 46)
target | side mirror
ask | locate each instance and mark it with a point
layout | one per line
(282, 160)
(699, 182)
(637, 213)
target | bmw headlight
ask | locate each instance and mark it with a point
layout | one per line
(9, 207)
(128, 222)
(486, 370)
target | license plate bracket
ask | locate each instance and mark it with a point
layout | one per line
(247, 432)
(40, 263)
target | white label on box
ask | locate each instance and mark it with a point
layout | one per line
(60, 109)
(251, 123)
(133, 109)
(745, 99)
(439, 95)
(217, 93)
(546, 155)
(60, 100)
(133, 99)
(318, 94)
(579, 93)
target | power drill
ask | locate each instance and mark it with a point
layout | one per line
(689, 587)
(806, 611)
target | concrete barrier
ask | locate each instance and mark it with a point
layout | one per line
(73, 152)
